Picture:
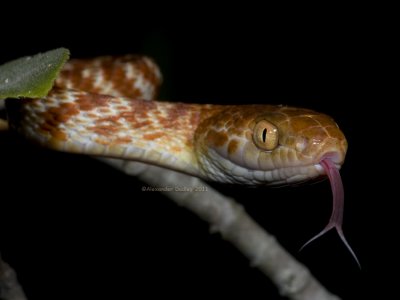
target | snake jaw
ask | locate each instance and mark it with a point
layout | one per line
(216, 167)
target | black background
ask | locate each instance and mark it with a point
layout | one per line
(75, 228)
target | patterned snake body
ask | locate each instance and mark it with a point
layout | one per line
(102, 107)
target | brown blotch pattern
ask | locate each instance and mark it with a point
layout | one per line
(153, 136)
(104, 130)
(123, 140)
(233, 146)
(88, 101)
(217, 139)
(94, 75)
(56, 115)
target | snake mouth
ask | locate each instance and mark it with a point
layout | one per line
(309, 172)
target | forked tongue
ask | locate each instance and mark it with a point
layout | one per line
(338, 201)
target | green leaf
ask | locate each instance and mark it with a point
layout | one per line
(31, 76)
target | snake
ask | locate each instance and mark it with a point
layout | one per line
(105, 107)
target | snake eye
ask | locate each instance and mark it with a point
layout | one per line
(266, 135)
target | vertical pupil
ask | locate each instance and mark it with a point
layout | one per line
(264, 135)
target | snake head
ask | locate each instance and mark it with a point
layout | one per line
(273, 145)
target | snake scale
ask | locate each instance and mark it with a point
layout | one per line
(104, 107)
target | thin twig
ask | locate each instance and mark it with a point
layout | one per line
(224, 215)
(10, 289)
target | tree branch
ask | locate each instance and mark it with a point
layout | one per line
(224, 215)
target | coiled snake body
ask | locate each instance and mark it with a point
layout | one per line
(102, 107)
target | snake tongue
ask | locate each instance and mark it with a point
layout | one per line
(338, 202)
